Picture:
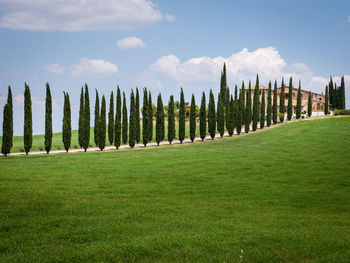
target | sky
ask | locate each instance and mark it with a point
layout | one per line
(164, 45)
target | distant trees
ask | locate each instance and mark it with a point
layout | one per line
(248, 110)
(28, 130)
(298, 109)
(262, 111)
(203, 118)
(223, 83)
(145, 118)
(290, 100)
(118, 119)
(66, 128)
(48, 119)
(326, 105)
(97, 116)
(256, 104)
(150, 118)
(243, 104)
(111, 119)
(9, 102)
(231, 116)
(159, 120)
(274, 109)
(337, 94)
(211, 116)
(309, 105)
(182, 117)
(269, 105)
(193, 118)
(132, 118)
(125, 122)
(6, 130)
(86, 141)
(102, 125)
(282, 102)
(239, 111)
(220, 116)
(171, 120)
(137, 116)
(81, 119)
(342, 94)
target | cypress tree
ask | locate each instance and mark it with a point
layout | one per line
(203, 118)
(227, 107)
(97, 116)
(81, 119)
(231, 120)
(160, 120)
(223, 84)
(269, 105)
(235, 109)
(86, 118)
(125, 122)
(262, 111)
(243, 104)
(298, 109)
(48, 119)
(309, 105)
(256, 104)
(193, 119)
(342, 94)
(111, 119)
(137, 116)
(67, 128)
(182, 119)
(220, 116)
(290, 100)
(145, 118)
(6, 130)
(239, 111)
(236, 93)
(335, 96)
(9, 102)
(274, 109)
(132, 124)
(118, 119)
(331, 93)
(28, 130)
(282, 102)
(326, 102)
(211, 116)
(150, 119)
(248, 110)
(102, 125)
(171, 120)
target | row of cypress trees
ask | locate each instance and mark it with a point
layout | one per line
(230, 114)
(337, 94)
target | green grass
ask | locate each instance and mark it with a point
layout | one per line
(281, 195)
(57, 144)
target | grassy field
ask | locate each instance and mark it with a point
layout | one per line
(280, 195)
(57, 144)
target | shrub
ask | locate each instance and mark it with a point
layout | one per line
(341, 112)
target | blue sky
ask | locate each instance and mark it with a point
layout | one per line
(165, 45)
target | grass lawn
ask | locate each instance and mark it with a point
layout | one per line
(281, 195)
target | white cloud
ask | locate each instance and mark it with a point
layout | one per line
(130, 43)
(77, 15)
(89, 67)
(54, 69)
(170, 18)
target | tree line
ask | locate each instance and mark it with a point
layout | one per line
(231, 113)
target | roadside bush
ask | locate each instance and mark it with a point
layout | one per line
(341, 112)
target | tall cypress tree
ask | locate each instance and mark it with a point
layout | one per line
(309, 105)
(81, 119)
(125, 122)
(230, 119)
(223, 84)
(193, 119)
(97, 116)
(159, 120)
(269, 105)
(211, 116)
(274, 109)
(256, 104)
(171, 120)
(220, 116)
(235, 108)
(9, 102)
(150, 119)
(203, 118)
(145, 117)
(243, 103)
(48, 119)
(137, 116)
(182, 120)
(239, 111)
(86, 118)
(262, 111)
(342, 93)
(290, 100)
(227, 107)
(335, 96)
(331, 93)
(102, 127)
(28, 130)
(298, 109)
(67, 127)
(132, 123)
(6, 130)
(248, 110)
(326, 102)
(118, 119)
(111, 119)
(282, 102)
